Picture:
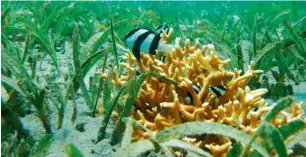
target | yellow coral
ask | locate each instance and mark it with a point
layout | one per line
(191, 66)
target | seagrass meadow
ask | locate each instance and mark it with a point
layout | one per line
(229, 81)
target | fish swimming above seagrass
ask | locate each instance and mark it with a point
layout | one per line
(145, 40)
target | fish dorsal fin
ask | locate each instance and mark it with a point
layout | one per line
(160, 29)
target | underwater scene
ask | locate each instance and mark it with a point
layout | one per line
(153, 78)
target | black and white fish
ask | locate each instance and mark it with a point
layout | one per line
(145, 40)
(189, 99)
(218, 91)
(148, 106)
(160, 29)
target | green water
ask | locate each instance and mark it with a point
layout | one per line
(51, 51)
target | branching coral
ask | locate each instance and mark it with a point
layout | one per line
(160, 104)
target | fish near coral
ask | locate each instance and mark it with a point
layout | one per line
(189, 99)
(145, 40)
(217, 91)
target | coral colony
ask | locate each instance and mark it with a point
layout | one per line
(161, 104)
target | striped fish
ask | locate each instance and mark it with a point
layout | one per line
(160, 29)
(148, 106)
(189, 99)
(145, 40)
(218, 91)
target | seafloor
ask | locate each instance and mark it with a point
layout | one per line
(85, 140)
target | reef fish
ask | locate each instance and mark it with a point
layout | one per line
(218, 91)
(145, 40)
(188, 98)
